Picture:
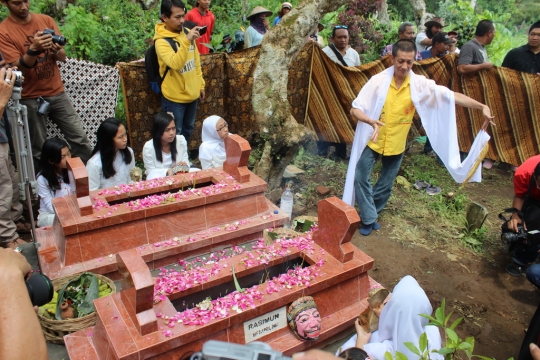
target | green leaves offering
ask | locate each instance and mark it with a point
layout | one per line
(236, 284)
(302, 225)
(80, 293)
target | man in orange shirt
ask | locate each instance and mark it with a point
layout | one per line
(24, 45)
(202, 16)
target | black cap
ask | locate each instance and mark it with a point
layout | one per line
(442, 37)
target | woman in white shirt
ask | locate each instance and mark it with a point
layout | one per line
(52, 179)
(166, 149)
(212, 150)
(112, 160)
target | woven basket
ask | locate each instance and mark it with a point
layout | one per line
(54, 330)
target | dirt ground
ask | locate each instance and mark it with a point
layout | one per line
(496, 307)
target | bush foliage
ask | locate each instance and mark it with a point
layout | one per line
(108, 32)
(111, 31)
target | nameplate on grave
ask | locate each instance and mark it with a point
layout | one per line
(265, 324)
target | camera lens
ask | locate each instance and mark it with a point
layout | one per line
(59, 39)
(40, 289)
(508, 237)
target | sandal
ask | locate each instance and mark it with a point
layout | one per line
(23, 227)
(515, 269)
(433, 190)
(421, 184)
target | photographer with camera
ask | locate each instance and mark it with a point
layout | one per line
(20, 332)
(183, 85)
(521, 231)
(32, 42)
(11, 219)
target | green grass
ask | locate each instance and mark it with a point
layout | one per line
(414, 216)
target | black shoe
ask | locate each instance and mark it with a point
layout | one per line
(515, 269)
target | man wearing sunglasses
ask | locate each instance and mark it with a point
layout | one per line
(526, 213)
(385, 108)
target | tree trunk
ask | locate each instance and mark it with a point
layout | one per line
(61, 5)
(148, 4)
(283, 135)
(382, 15)
(419, 7)
(473, 4)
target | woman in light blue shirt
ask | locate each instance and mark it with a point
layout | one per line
(258, 26)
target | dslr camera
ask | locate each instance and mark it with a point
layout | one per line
(219, 350)
(56, 39)
(512, 239)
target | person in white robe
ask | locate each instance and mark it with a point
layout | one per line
(435, 105)
(400, 322)
(212, 150)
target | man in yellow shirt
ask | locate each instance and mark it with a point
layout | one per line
(392, 97)
(184, 84)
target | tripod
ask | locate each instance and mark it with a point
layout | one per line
(18, 118)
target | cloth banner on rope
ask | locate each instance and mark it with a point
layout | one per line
(93, 90)
(511, 95)
(320, 94)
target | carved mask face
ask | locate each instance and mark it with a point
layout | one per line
(308, 324)
(304, 318)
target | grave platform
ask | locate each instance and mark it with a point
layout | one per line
(161, 218)
(131, 326)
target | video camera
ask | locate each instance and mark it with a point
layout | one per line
(18, 77)
(219, 350)
(511, 238)
(56, 39)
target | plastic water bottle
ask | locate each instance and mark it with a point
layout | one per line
(287, 204)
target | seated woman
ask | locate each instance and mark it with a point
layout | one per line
(112, 159)
(399, 323)
(212, 150)
(166, 150)
(52, 179)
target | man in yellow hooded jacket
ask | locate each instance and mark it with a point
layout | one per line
(184, 84)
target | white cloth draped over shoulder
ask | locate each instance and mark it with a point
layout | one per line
(436, 107)
(158, 169)
(212, 149)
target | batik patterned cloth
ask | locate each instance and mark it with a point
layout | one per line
(320, 94)
(93, 90)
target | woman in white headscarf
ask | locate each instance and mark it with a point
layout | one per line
(212, 150)
(400, 322)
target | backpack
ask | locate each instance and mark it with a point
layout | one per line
(151, 64)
